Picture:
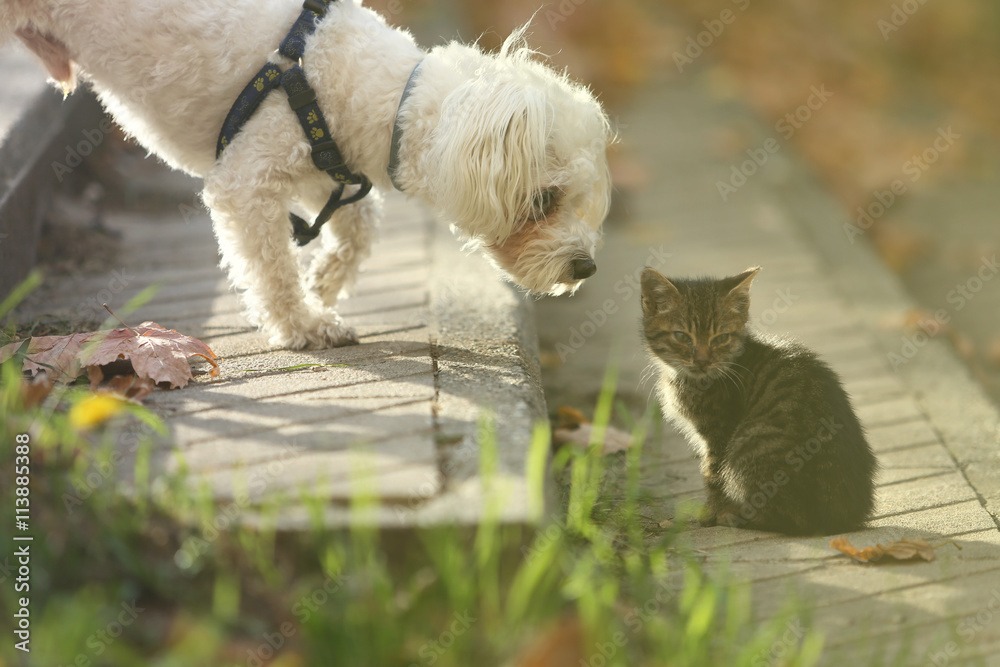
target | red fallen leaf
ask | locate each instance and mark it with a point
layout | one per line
(902, 549)
(157, 354)
(59, 355)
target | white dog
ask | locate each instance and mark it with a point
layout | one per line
(501, 146)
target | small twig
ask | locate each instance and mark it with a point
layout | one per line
(120, 319)
(951, 542)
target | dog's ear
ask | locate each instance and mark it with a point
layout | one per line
(54, 56)
(491, 155)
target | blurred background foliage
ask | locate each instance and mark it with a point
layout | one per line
(900, 72)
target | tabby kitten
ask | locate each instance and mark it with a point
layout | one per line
(780, 446)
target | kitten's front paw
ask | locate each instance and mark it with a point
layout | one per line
(726, 515)
(729, 517)
(707, 517)
(316, 331)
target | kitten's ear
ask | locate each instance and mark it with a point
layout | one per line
(657, 291)
(738, 288)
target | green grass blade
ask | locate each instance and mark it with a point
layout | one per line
(17, 295)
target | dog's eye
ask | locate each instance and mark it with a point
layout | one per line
(543, 202)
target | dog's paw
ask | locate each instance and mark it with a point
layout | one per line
(331, 276)
(317, 331)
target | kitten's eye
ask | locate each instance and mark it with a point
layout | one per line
(721, 339)
(543, 202)
(682, 337)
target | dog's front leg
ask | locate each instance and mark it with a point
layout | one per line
(346, 242)
(254, 235)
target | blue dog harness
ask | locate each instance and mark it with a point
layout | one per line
(302, 98)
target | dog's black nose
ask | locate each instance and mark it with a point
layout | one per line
(583, 268)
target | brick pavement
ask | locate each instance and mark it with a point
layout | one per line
(837, 299)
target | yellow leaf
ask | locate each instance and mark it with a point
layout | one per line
(94, 411)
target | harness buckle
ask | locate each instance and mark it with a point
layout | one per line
(326, 156)
(315, 6)
(301, 99)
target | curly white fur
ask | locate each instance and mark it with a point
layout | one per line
(483, 136)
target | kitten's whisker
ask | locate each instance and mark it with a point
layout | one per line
(728, 372)
(647, 374)
(733, 363)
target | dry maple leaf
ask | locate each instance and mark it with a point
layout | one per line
(156, 354)
(902, 549)
(59, 355)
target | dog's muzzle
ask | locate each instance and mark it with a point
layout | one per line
(583, 268)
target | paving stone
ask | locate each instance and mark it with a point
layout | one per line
(263, 418)
(904, 497)
(915, 463)
(872, 388)
(912, 601)
(902, 435)
(395, 468)
(959, 517)
(211, 441)
(843, 589)
(889, 411)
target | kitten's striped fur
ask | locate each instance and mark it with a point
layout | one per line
(780, 446)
